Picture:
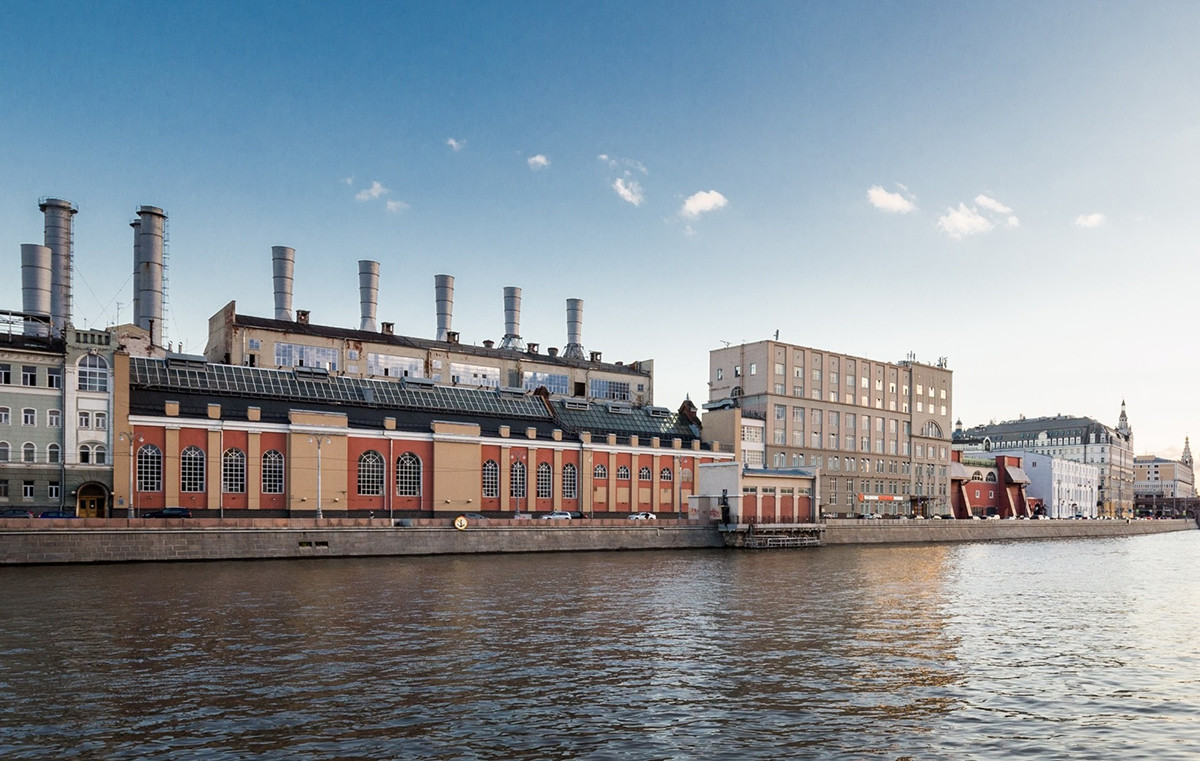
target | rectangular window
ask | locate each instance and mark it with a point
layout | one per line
(780, 437)
(299, 355)
(780, 412)
(4, 416)
(54, 490)
(779, 368)
(54, 418)
(780, 389)
(606, 389)
(754, 368)
(101, 421)
(554, 382)
(394, 367)
(6, 375)
(28, 416)
(54, 377)
(85, 419)
(28, 375)
(4, 488)
(474, 375)
(27, 489)
(253, 344)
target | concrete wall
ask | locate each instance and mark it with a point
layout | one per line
(120, 541)
(894, 531)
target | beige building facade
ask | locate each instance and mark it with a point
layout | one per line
(877, 432)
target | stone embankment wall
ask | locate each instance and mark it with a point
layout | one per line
(901, 532)
(123, 541)
(32, 542)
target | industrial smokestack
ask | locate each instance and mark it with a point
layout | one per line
(443, 288)
(59, 221)
(368, 293)
(36, 284)
(283, 262)
(512, 319)
(150, 285)
(137, 269)
(574, 347)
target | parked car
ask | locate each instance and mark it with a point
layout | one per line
(473, 516)
(15, 512)
(56, 514)
(169, 512)
(643, 517)
(557, 515)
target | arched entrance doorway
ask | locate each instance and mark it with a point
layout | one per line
(91, 501)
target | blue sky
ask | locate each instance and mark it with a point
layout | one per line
(1011, 185)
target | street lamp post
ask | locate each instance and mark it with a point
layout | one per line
(319, 441)
(131, 438)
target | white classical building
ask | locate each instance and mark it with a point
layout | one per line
(1067, 489)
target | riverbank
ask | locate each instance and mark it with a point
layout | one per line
(40, 542)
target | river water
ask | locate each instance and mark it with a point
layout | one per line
(1077, 649)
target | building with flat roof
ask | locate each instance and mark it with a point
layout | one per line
(876, 432)
(1158, 477)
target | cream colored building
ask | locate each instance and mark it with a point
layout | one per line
(1159, 477)
(247, 341)
(870, 428)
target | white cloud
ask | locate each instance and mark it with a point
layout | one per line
(375, 191)
(1014, 222)
(456, 145)
(537, 162)
(1090, 220)
(699, 203)
(629, 190)
(616, 163)
(963, 221)
(348, 180)
(992, 204)
(397, 206)
(893, 202)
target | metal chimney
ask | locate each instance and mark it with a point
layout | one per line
(443, 288)
(512, 319)
(59, 221)
(150, 285)
(137, 269)
(36, 284)
(283, 262)
(368, 293)
(574, 347)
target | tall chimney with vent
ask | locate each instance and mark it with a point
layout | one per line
(283, 263)
(150, 286)
(36, 284)
(574, 347)
(136, 224)
(368, 293)
(443, 287)
(59, 223)
(512, 319)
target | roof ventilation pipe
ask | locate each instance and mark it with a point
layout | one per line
(59, 222)
(368, 293)
(512, 319)
(574, 347)
(36, 284)
(443, 288)
(136, 224)
(150, 285)
(283, 263)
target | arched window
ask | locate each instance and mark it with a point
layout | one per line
(272, 472)
(85, 419)
(29, 416)
(516, 480)
(54, 418)
(644, 474)
(4, 451)
(665, 475)
(600, 473)
(28, 453)
(191, 469)
(570, 482)
(491, 479)
(149, 468)
(233, 471)
(101, 421)
(54, 453)
(93, 373)
(85, 454)
(977, 476)
(990, 478)
(101, 454)
(370, 474)
(685, 475)
(622, 473)
(934, 431)
(408, 475)
(545, 481)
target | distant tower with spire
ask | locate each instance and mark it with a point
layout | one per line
(1123, 423)
(1187, 453)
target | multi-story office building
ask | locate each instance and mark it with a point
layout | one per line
(878, 432)
(1158, 477)
(1080, 439)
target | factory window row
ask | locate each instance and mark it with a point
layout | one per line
(372, 475)
(193, 469)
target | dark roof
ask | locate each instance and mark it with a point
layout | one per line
(22, 342)
(328, 331)
(414, 403)
(1067, 424)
